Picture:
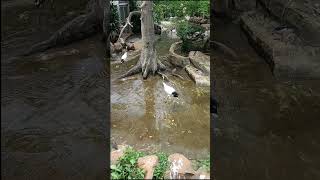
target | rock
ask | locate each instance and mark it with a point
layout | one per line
(117, 154)
(177, 59)
(285, 53)
(148, 163)
(198, 20)
(201, 173)
(198, 76)
(122, 42)
(296, 67)
(117, 47)
(300, 15)
(200, 61)
(180, 167)
(130, 46)
(113, 37)
(206, 26)
(167, 175)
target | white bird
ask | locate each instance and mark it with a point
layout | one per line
(173, 30)
(124, 57)
(169, 90)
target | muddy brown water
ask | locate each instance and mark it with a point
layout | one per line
(53, 104)
(143, 116)
(266, 129)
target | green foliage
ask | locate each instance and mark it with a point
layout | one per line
(205, 163)
(136, 22)
(126, 167)
(163, 165)
(135, 19)
(159, 10)
(133, 5)
(167, 8)
(185, 30)
(114, 21)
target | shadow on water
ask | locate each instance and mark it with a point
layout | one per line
(267, 128)
(142, 115)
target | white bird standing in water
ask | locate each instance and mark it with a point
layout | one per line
(169, 90)
(124, 56)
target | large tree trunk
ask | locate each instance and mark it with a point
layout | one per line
(148, 62)
(148, 58)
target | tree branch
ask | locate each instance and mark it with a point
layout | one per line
(128, 23)
(143, 4)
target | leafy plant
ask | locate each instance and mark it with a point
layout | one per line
(205, 163)
(163, 165)
(168, 8)
(185, 31)
(135, 19)
(126, 167)
(114, 21)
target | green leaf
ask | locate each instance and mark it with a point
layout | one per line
(132, 161)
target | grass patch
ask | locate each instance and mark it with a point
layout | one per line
(126, 167)
(162, 166)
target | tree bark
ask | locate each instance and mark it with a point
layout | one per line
(148, 54)
(148, 62)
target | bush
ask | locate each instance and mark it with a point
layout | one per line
(205, 163)
(126, 167)
(135, 19)
(162, 167)
(185, 31)
(114, 20)
(164, 9)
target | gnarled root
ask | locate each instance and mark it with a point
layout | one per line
(134, 70)
(138, 69)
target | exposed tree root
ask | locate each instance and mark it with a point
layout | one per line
(134, 70)
(177, 75)
(138, 68)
